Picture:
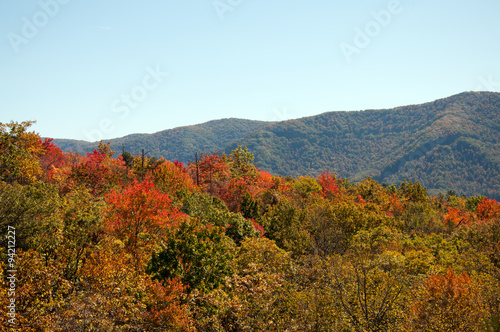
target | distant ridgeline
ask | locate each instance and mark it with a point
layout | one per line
(448, 144)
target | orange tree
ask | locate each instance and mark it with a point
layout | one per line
(448, 302)
(139, 215)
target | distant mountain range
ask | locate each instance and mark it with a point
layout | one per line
(449, 144)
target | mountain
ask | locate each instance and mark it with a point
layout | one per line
(449, 144)
(175, 144)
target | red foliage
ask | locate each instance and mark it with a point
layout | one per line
(180, 166)
(51, 158)
(98, 172)
(140, 208)
(456, 217)
(329, 185)
(258, 227)
(488, 209)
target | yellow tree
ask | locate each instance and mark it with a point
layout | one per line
(448, 302)
(19, 150)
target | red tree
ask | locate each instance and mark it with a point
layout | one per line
(329, 185)
(488, 209)
(140, 209)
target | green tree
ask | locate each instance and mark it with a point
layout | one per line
(198, 254)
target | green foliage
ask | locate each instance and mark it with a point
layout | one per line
(413, 192)
(240, 161)
(306, 186)
(212, 211)
(448, 144)
(286, 224)
(199, 255)
(249, 207)
(472, 202)
(28, 209)
(178, 143)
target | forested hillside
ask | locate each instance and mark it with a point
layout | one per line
(175, 144)
(109, 242)
(448, 144)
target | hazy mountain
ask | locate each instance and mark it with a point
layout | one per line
(179, 143)
(449, 144)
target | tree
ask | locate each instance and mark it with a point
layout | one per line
(210, 173)
(28, 209)
(412, 191)
(329, 186)
(172, 179)
(488, 209)
(139, 215)
(288, 226)
(449, 302)
(51, 160)
(212, 211)
(240, 160)
(197, 254)
(371, 291)
(19, 150)
(98, 172)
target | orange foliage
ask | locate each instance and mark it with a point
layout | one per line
(165, 309)
(449, 303)
(210, 174)
(488, 209)
(329, 185)
(140, 208)
(456, 217)
(360, 200)
(395, 205)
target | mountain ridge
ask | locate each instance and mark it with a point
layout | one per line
(448, 144)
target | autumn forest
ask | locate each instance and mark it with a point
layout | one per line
(115, 241)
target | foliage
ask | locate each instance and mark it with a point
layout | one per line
(449, 303)
(136, 243)
(140, 214)
(197, 254)
(18, 153)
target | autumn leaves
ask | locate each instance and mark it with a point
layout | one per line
(138, 243)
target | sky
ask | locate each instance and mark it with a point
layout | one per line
(100, 69)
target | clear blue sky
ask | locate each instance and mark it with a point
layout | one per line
(83, 69)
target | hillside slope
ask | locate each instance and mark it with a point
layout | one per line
(448, 144)
(179, 143)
